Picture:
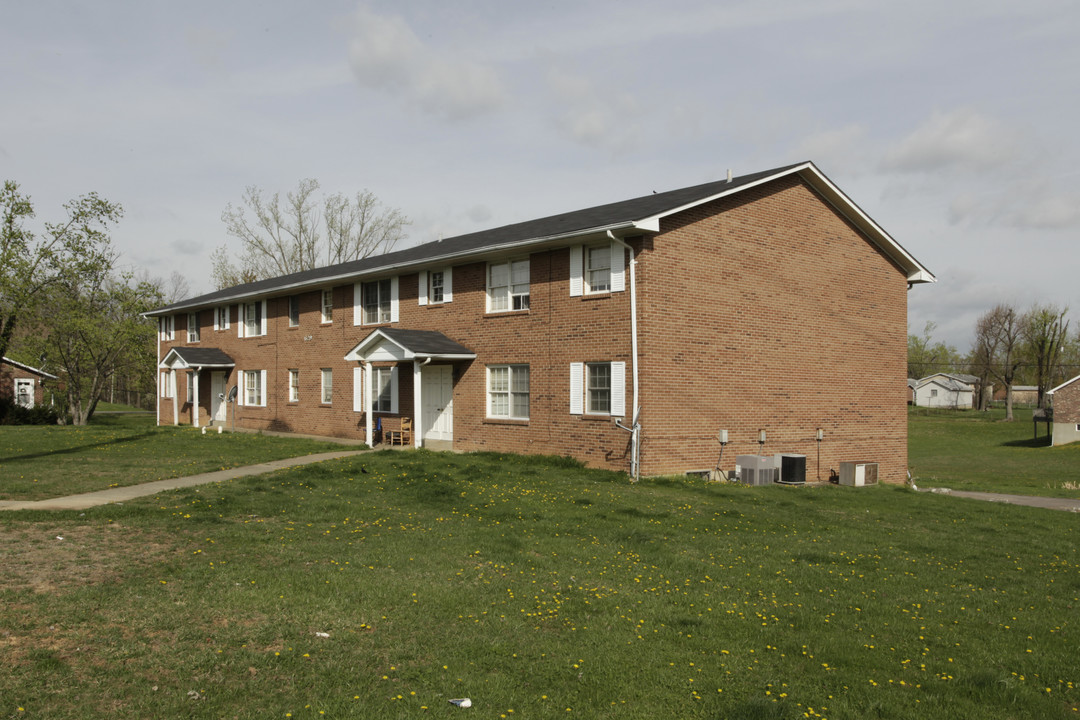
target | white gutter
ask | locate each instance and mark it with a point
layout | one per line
(635, 426)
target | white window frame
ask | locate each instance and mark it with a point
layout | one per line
(168, 390)
(359, 314)
(597, 276)
(327, 306)
(252, 313)
(326, 386)
(166, 327)
(221, 317)
(294, 311)
(427, 286)
(503, 294)
(294, 385)
(501, 393)
(254, 381)
(581, 274)
(580, 401)
(377, 398)
(193, 333)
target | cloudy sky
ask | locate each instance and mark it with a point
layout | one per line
(953, 123)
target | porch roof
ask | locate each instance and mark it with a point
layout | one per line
(184, 358)
(403, 344)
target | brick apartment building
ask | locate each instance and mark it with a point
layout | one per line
(626, 335)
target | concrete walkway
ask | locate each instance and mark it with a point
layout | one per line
(1029, 500)
(122, 494)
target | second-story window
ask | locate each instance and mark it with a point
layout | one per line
(327, 306)
(598, 269)
(376, 299)
(294, 310)
(435, 289)
(508, 286)
(253, 318)
(193, 327)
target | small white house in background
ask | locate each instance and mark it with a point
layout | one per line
(946, 391)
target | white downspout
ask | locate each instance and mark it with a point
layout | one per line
(369, 431)
(635, 426)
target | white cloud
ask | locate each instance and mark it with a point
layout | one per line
(386, 54)
(961, 139)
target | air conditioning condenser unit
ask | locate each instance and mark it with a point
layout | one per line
(858, 474)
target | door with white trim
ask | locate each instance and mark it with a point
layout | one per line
(219, 408)
(437, 402)
(24, 392)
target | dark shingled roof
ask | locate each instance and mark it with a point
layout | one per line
(600, 217)
(202, 356)
(425, 342)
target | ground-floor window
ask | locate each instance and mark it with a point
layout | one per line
(253, 388)
(327, 386)
(190, 386)
(294, 386)
(598, 388)
(382, 394)
(508, 391)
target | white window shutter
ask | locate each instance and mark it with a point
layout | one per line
(358, 388)
(577, 390)
(241, 384)
(618, 389)
(423, 287)
(618, 264)
(394, 299)
(262, 385)
(577, 281)
(394, 389)
(241, 320)
(448, 284)
(262, 322)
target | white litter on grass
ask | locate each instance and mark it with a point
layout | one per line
(322, 634)
(59, 537)
(461, 702)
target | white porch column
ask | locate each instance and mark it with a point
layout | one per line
(417, 394)
(175, 398)
(195, 398)
(369, 437)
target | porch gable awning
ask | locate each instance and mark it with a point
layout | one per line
(188, 358)
(399, 344)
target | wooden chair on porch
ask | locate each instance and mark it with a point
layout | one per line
(398, 431)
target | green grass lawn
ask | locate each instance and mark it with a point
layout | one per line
(384, 585)
(979, 451)
(39, 462)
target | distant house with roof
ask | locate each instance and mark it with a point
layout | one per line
(625, 335)
(1021, 394)
(1066, 411)
(23, 384)
(946, 390)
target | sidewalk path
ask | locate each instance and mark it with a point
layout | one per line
(1049, 503)
(121, 494)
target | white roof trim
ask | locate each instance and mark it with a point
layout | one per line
(916, 273)
(173, 361)
(21, 366)
(1067, 382)
(361, 351)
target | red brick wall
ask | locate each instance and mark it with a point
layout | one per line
(773, 314)
(7, 382)
(1067, 404)
(769, 311)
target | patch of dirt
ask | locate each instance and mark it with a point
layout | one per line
(57, 559)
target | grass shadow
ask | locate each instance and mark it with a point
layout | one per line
(79, 448)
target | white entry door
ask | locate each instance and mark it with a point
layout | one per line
(437, 398)
(219, 409)
(24, 392)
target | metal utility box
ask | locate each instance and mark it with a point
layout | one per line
(792, 468)
(858, 474)
(756, 469)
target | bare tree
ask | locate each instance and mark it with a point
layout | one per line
(284, 236)
(998, 335)
(1045, 330)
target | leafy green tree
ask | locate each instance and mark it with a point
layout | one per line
(93, 330)
(1045, 331)
(926, 357)
(32, 263)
